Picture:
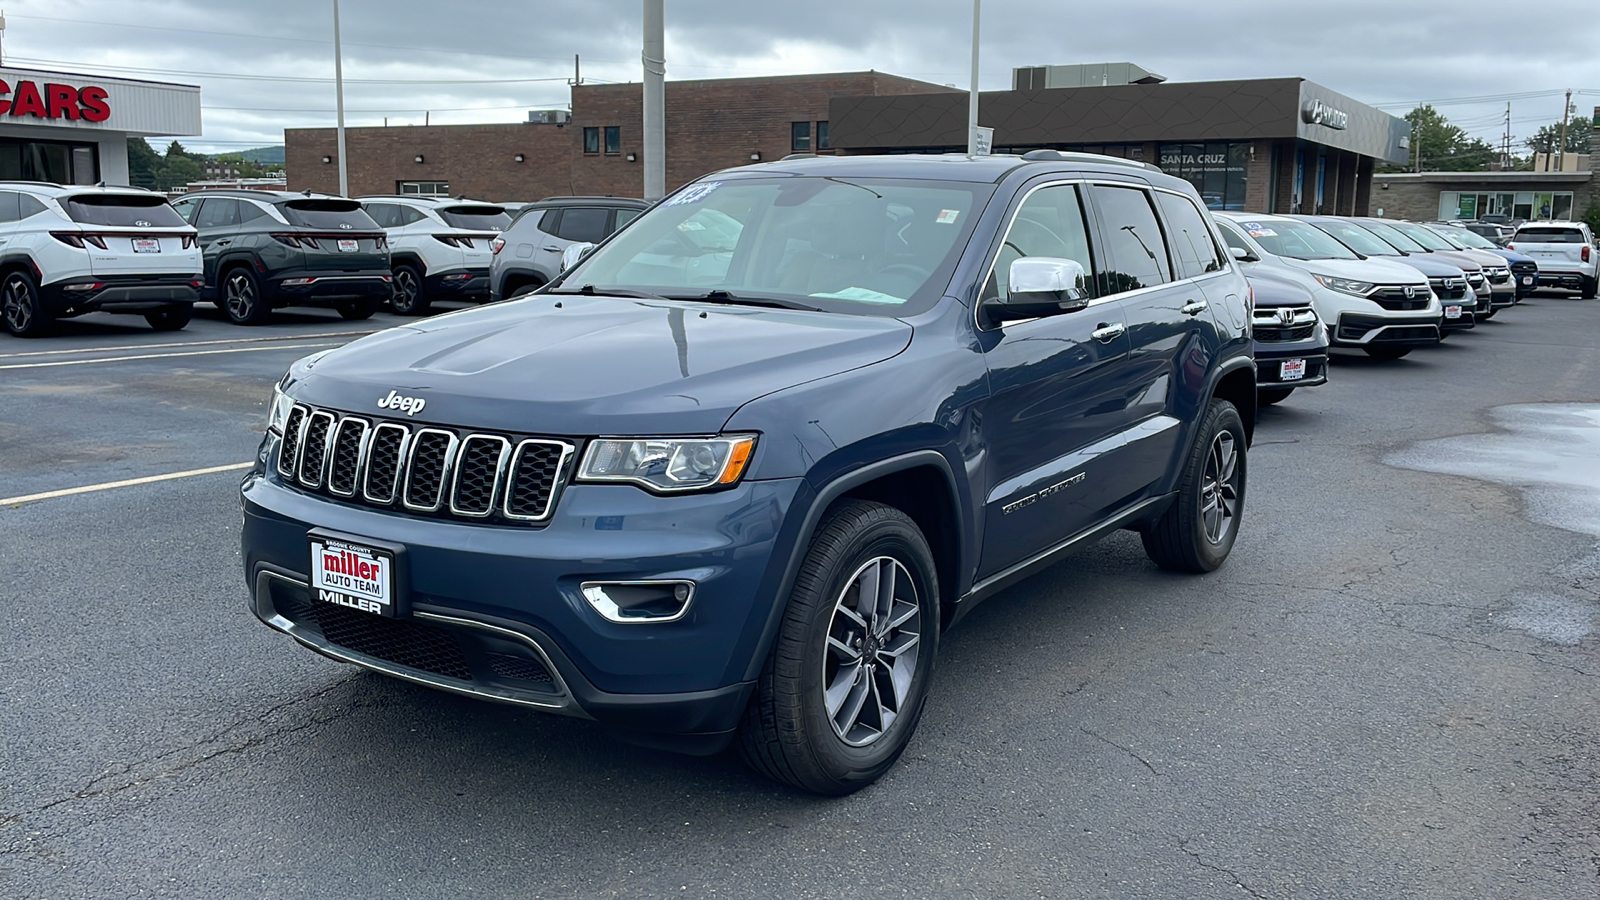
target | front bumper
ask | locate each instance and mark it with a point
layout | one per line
(495, 611)
(322, 288)
(1356, 330)
(1270, 358)
(119, 294)
(464, 283)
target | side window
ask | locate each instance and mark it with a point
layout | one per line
(10, 206)
(249, 212)
(187, 208)
(1049, 223)
(1194, 251)
(29, 206)
(1137, 256)
(385, 214)
(408, 215)
(624, 216)
(547, 221)
(217, 212)
(583, 223)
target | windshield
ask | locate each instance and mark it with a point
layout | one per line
(1475, 236)
(1357, 238)
(1450, 236)
(123, 211)
(1423, 236)
(341, 214)
(862, 246)
(481, 218)
(1388, 233)
(1296, 240)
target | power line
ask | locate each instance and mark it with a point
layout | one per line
(291, 78)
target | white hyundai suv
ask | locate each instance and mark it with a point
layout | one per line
(70, 250)
(1384, 308)
(438, 247)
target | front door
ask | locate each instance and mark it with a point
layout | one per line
(1057, 395)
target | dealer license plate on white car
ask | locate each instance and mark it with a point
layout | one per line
(1293, 370)
(349, 246)
(1452, 312)
(352, 575)
(146, 245)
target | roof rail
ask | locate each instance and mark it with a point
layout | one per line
(799, 156)
(1074, 156)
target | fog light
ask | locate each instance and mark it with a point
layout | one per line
(632, 602)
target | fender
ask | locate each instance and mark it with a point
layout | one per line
(1222, 370)
(410, 258)
(824, 498)
(18, 257)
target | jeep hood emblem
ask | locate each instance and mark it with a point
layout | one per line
(408, 405)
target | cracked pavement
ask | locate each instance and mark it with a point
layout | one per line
(1389, 691)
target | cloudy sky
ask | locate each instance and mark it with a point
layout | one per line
(264, 66)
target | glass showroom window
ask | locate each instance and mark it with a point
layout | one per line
(1217, 169)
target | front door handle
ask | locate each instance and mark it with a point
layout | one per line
(1105, 334)
(1193, 307)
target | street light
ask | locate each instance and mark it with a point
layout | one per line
(338, 87)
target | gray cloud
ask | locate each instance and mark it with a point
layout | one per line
(1373, 51)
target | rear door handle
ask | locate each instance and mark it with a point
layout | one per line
(1194, 307)
(549, 247)
(1108, 333)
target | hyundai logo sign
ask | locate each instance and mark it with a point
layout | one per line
(1315, 112)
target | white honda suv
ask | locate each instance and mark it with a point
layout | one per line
(70, 250)
(438, 247)
(1383, 308)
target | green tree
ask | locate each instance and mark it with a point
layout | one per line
(143, 163)
(1546, 139)
(1438, 146)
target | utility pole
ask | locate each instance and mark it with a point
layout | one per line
(654, 58)
(1561, 152)
(338, 88)
(1505, 143)
(972, 102)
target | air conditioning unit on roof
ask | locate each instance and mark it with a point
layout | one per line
(549, 116)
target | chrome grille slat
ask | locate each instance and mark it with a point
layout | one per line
(314, 449)
(424, 469)
(480, 467)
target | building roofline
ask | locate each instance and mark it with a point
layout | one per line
(91, 75)
(1467, 177)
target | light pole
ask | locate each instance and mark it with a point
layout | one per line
(654, 57)
(338, 88)
(972, 103)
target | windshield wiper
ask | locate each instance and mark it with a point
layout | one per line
(722, 296)
(590, 290)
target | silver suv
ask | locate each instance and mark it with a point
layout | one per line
(528, 255)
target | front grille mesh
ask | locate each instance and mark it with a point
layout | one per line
(426, 470)
(1448, 289)
(1395, 298)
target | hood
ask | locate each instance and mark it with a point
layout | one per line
(1274, 287)
(594, 365)
(1377, 271)
(1461, 259)
(1484, 258)
(1434, 266)
(1512, 256)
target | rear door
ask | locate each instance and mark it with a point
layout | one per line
(131, 234)
(337, 235)
(217, 220)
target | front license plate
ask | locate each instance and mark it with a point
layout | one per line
(1452, 312)
(348, 246)
(353, 575)
(146, 245)
(1293, 370)
(1527, 279)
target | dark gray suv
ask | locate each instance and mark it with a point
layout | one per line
(528, 254)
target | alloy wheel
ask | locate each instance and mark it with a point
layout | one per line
(405, 289)
(241, 297)
(18, 306)
(870, 659)
(1219, 489)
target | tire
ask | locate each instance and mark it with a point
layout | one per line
(362, 308)
(1486, 316)
(408, 297)
(1386, 351)
(20, 308)
(241, 297)
(788, 732)
(1197, 531)
(173, 318)
(526, 289)
(1588, 290)
(1269, 396)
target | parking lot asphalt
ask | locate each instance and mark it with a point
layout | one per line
(1390, 690)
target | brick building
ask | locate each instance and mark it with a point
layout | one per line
(711, 124)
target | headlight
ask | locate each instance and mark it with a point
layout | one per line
(668, 464)
(1344, 285)
(278, 413)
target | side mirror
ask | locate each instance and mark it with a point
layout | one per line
(574, 253)
(1243, 255)
(1042, 286)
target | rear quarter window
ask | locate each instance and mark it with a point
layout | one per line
(119, 211)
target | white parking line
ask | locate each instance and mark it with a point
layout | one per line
(250, 340)
(117, 359)
(130, 482)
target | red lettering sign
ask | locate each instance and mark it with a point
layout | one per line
(56, 101)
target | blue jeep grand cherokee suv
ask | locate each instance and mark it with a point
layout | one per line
(731, 476)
